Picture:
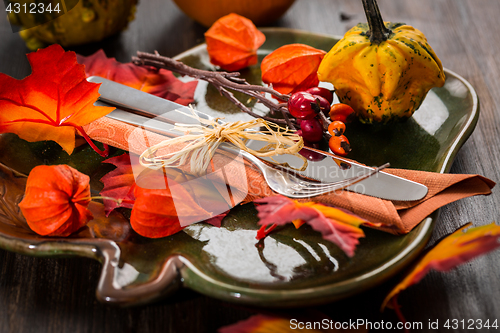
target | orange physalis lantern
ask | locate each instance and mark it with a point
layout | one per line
(292, 68)
(158, 212)
(232, 42)
(56, 200)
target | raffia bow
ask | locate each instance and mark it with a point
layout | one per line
(203, 140)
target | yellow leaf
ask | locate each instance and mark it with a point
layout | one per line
(450, 252)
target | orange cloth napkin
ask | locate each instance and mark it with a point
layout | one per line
(397, 217)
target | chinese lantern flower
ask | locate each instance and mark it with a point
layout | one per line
(56, 200)
(232, 42)
(292, 68)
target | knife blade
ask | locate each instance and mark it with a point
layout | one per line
(136, 107)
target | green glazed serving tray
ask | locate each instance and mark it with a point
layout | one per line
(288, 268)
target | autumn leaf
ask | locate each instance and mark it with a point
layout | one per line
(161, 83)
(56, 200)
(118, 184)
(232, 42)
(336, 225)
(292, 68)
(265, 230)
(216, 221)
(53, 102)
(263, 324)
(455, 249)
(273, 324)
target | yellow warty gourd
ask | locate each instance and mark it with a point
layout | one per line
(88, 21)
(382, 70)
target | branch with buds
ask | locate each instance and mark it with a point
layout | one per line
(224, 82)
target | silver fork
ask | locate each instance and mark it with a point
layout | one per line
(282, 180)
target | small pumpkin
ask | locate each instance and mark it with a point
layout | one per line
(89, 21)
(382, 70)
(260, 12)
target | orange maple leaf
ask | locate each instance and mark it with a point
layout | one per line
(450, 252)
(119, 184)
(53, 102)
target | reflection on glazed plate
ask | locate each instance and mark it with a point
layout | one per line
(290, 267)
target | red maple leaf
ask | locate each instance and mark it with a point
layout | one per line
(161, 83)
(336, 225)
(119, 184)
(216, 221)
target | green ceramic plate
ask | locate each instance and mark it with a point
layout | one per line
(289, 268)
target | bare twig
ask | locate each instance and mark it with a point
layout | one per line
(224, 82)
(324, 121)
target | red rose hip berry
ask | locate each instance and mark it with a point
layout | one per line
(336, 128)
(341, 112)
(303, 105)
(312, 131)
(324, 105)
(339, 145)
(323, 92)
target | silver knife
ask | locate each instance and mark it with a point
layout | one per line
(136, 107)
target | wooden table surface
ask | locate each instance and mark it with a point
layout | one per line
(58, 295)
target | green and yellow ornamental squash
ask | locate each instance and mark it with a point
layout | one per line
(382, 70)
(89, 21)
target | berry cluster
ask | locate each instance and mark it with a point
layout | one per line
(311, 107)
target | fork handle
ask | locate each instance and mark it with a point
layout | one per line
(254, 159)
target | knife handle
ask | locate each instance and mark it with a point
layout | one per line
(144, 104)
